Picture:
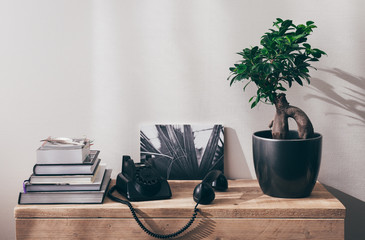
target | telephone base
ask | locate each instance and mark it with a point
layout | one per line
(128, 189)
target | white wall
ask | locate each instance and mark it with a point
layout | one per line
(103, 68)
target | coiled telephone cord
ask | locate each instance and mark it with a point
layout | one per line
(155, 235)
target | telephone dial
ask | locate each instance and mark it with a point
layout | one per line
(141, 182)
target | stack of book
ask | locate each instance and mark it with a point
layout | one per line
(66, 172)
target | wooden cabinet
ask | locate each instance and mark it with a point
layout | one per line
(242, 212)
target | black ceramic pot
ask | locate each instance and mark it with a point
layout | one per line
(286, 168)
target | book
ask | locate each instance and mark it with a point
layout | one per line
(63, 179)
(88, 167)
(92, 155)
(53, 153)
(71, 197)
(94, 186)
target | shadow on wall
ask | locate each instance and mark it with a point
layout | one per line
(355, 217)
(352, 100)
(235, 163)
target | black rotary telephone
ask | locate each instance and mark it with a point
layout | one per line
(141, 182)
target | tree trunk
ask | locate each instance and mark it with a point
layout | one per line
(280, 126)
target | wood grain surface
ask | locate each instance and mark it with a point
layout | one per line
(242, 212)
(243, 199)
(203, 228)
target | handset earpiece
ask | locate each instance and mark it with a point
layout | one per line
(217, 180)
(204, 191)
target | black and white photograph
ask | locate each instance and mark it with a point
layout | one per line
(183, 151)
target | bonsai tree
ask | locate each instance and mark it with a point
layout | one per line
(283, 58)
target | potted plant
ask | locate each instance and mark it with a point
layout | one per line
(286, 162)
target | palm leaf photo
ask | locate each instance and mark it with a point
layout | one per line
(183, 152)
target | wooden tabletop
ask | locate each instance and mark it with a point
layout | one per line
(243, 199)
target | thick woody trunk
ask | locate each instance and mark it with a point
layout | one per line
(280, 126)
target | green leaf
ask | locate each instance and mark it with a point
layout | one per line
(241, 53)
(278, 65)
(244, 88)
(306, 45)
(316, 54)
(295, 46)
(304, 74)
(241, 76)
(247, 52)
(299, 36)
(304, 70)
(300, 26)
(309, 23)
(232, 80)
(264, 51)
(269, 68)
(254, 50)
(255, 102)
(285, 26)
(241, 68)
(302, 40)
(300, 59)
(298, 80)
(320, 51)
(278, 21)
(289, 38)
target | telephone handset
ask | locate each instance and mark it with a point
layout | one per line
(140, 182)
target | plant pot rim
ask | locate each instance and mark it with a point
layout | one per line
(258, 135)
